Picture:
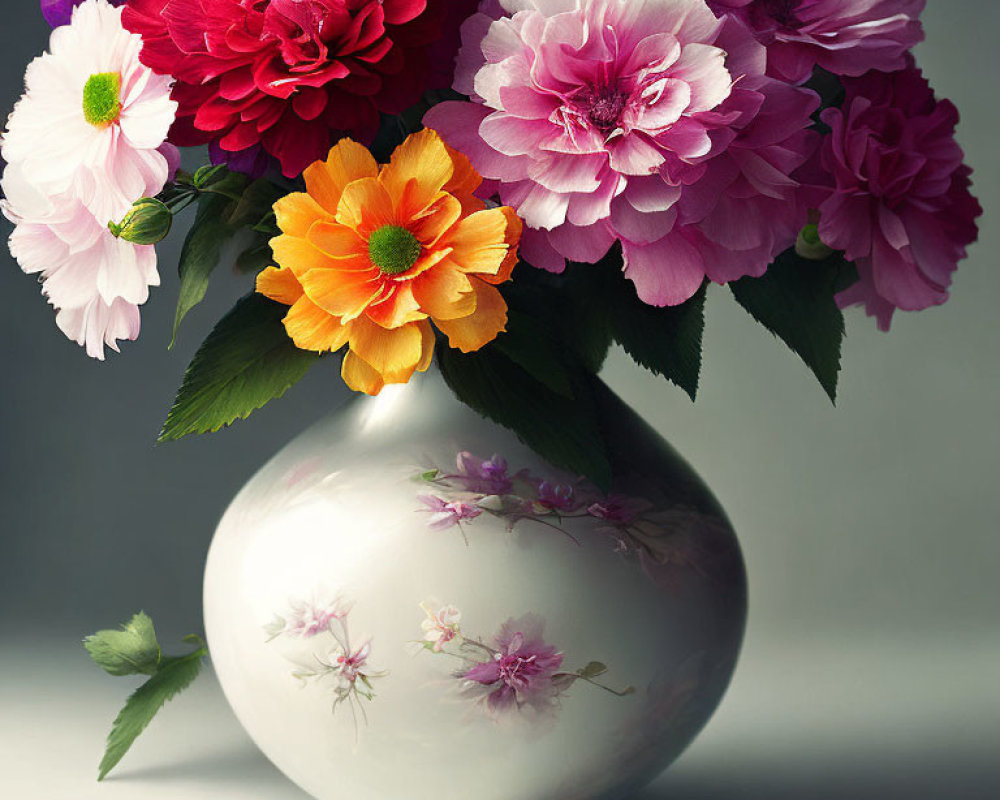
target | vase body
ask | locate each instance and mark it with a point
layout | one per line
(407, 603)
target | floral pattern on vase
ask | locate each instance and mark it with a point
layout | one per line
(517, 672)
(344, 663)
(479, 486)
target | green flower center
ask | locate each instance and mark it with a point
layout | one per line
(101, 105)
(393, 249)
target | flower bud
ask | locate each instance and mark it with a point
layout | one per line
(148, 222)
(206, 176)
(810, 246)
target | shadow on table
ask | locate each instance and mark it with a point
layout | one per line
(942, 775)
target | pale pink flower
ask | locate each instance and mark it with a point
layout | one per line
(637, 121)
(846, 37)
(349, 664)
(897, 198)
(521, 671)
(446, 514)
(441, 626)
(74, 165)
(309, 618)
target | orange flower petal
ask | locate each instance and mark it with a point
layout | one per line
(464, 180)
(297, 212)
(399, 308)
(479, 242)
(430, 226)
(472, 332)
(513, 239)
(298, 255)
(444, 292)
(417, 172)
(340, 242)
(359, 375)
(312, 328)
(427, 260)
(365, 206)
(394, 354)
(348, 161)
(280, 284)
(427, 343)
(343, 293)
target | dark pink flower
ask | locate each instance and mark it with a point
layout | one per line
(643, 122)
(445, 514)
(290, 75)
(897, 200)
(846, 37)
(521, 671)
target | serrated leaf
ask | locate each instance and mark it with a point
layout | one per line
(564, 431)
(794, 300)
(133, 650)
(201, 253)
(666, 341)
(174, 676)
(246, 361)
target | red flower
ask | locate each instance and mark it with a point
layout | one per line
(287, 74)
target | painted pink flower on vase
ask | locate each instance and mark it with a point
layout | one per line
(846, 37)
(521, 670)
(897, 200)
(482, 475)
(448, 513)
(636, 121)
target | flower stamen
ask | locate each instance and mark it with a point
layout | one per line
(393, 249)
(101, 103)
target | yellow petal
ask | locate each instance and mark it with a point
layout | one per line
(394, 354)
(365, 206)
(417, 172)
(513, 239)
(340, 242)
(348, 161)
(397, 308)
(360, 376)
(464, 180)
(427, 343)
(279, 284)
(479, 242)
(298, 255)
(343, 293)
(444, 292)
(297, 212)
(472, 332)
(311, 328)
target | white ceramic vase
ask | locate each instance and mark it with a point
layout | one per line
(407, 603)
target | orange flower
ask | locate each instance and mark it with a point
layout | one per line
(369, 258)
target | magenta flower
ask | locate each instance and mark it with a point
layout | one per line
(898, 200)
(482, 476)
(633, 120)
(60, 12)
(557, 496)
(445, 514)
(521, 671)
(846, 37)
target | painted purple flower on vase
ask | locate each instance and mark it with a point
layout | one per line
(60, 12)
(482, 476)
(446, 514)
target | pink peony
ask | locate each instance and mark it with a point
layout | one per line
(521, 671)
(846, 37)
(633, 120)
(898, 201)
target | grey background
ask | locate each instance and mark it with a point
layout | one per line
(870, 530)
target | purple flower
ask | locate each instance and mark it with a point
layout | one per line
(445, 514)
(620, 509)
(521, 671)
(60, 12)
(254, 161)
(557, 496)
(482, 476)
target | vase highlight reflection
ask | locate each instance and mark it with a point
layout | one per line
(407, 602)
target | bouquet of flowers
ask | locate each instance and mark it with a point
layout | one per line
(505, 187)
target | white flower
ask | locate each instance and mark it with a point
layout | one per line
(84, 142)
(441, 626)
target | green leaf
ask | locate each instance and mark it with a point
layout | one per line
(795, 301)
(244, 363)
(593, 670)
(201, 253)
(563, 430)
(255, 258)
(529, 345)
(133, 650)
(175, 675)
(666, 341)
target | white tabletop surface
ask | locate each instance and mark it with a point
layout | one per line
(801, 722)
